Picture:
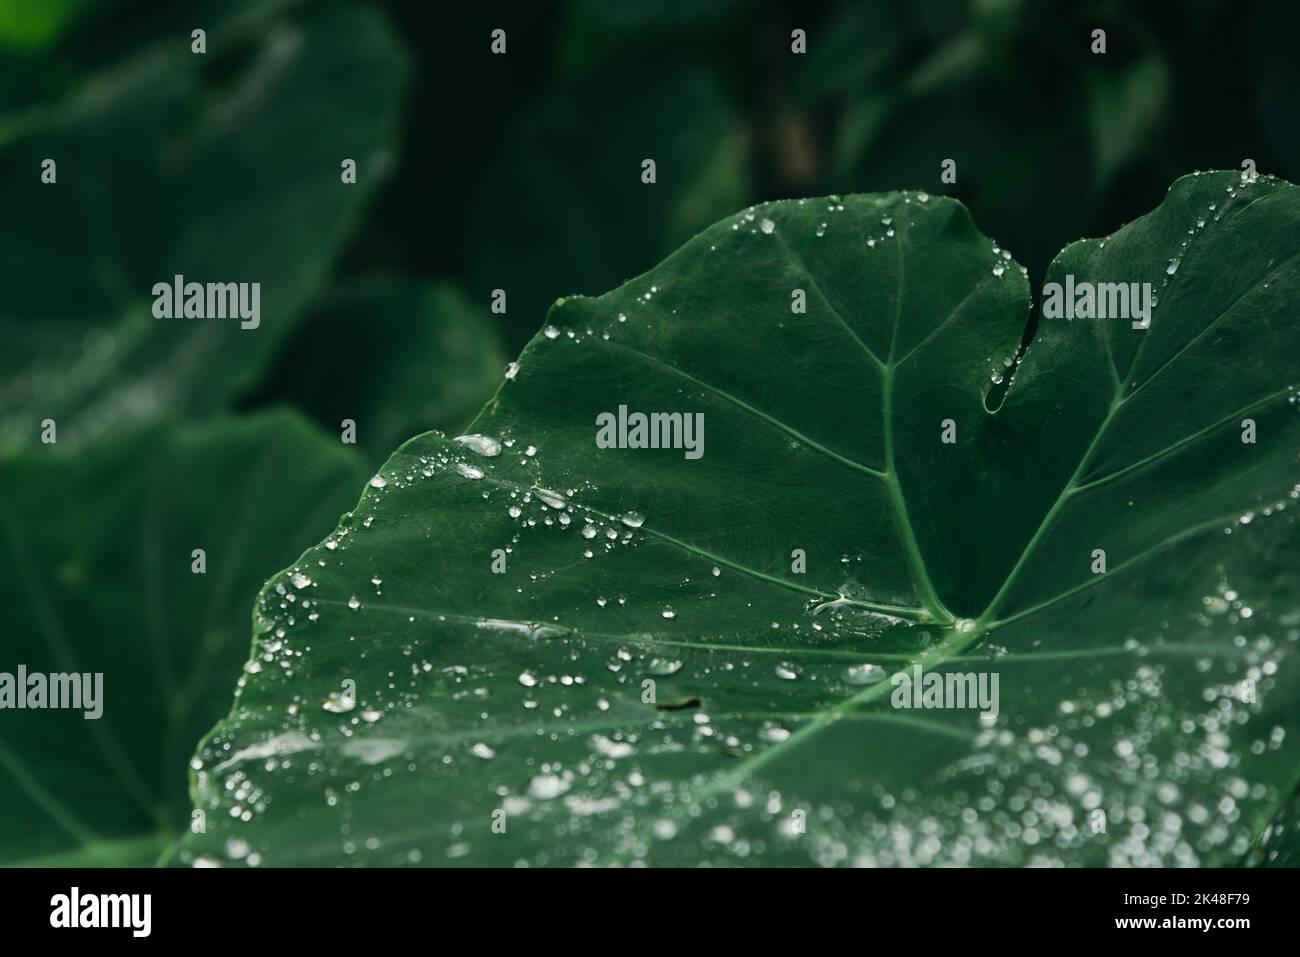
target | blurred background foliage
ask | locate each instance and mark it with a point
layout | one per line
(476, 172)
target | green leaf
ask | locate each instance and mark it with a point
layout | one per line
(96, 575)
(432, 693)
(223, 167)
(398, 357)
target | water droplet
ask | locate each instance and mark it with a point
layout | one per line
(833, 603)
(378, 481)
(633, 519)
(611, 748)
(864, 674)
(482, 444)
(339, 702)
(553, 499)
(469, 471)
(767, 226)
(544, 787)
(664, 829)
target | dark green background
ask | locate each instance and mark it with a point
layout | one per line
(521, 171)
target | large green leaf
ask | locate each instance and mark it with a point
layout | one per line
(223, 167)
(96, 575)
(431, 693)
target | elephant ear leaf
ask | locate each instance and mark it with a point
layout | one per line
(541, 643)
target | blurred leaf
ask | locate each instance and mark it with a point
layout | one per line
(398, 357)
(854, 45)
(1128, 106)
(95, 576)
(223, 168)
(437, 695)
(636, 17)
(35, 24)
(637, 34)
(564, 207)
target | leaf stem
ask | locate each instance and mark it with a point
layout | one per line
(924, 587)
